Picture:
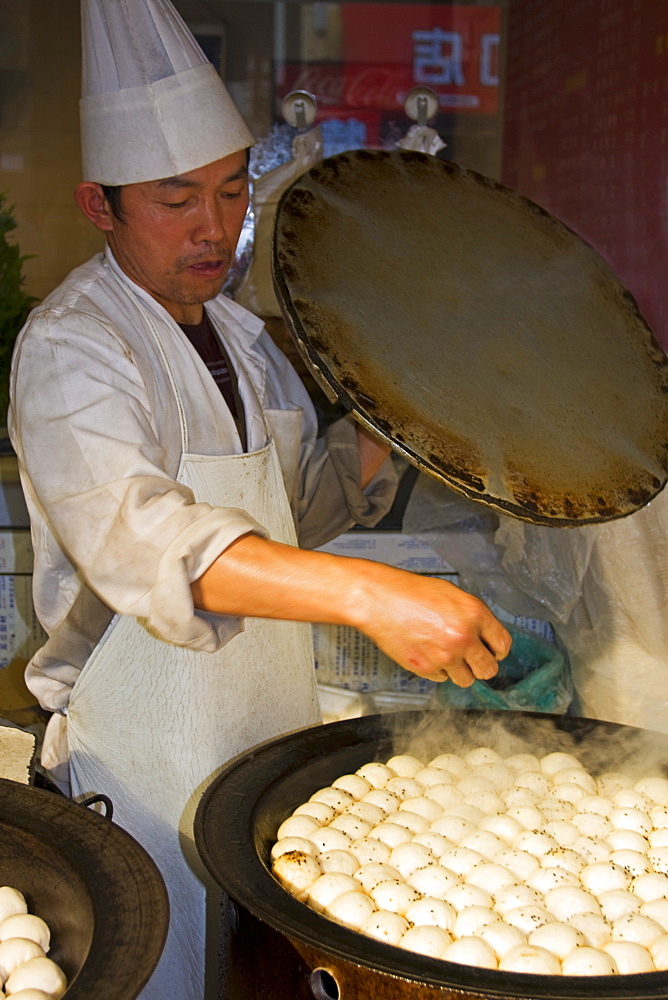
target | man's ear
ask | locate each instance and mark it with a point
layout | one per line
(90, 199)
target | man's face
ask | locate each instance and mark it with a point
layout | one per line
(178, 236)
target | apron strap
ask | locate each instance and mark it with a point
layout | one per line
(153, 330)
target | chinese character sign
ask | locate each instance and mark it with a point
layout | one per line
(451, 48)
(387, 49)
(438, 57)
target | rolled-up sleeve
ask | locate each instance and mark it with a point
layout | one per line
(102, 482)
(339, 502)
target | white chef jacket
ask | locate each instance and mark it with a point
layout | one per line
(95, 425)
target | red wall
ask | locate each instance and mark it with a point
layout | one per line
(586, 130)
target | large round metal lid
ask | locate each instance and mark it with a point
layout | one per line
(479, 336)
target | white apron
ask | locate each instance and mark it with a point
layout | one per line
(150, 724)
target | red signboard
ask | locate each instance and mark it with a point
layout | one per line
(388, 49)
(452, 49)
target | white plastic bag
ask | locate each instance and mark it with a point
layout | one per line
(604, 589)
(423, 139)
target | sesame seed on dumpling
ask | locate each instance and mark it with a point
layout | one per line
(532, 959)
(588, 961)
(471, 951)
(426, 940)
(630, 958)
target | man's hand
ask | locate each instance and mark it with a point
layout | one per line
(433, 628)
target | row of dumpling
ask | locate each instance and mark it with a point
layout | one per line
(522, 864)
(26, 973)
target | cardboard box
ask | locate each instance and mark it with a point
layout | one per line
(13, 510)
(21, 635)
(344, 657)
(16, 552)
(390, 547)
(17, 753)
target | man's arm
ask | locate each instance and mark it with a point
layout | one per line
(428, 626)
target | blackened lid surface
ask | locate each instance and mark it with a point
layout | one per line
(483, 339)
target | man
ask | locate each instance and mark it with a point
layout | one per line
(164, 502)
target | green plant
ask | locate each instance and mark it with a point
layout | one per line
(15, 303)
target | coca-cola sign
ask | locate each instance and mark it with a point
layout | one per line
(388, 49)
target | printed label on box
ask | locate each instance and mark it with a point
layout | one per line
(16, 552)
(21, 635)
(391, 547)
(13, 510)
(347, 659)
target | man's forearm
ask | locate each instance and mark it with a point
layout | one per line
(428, 626)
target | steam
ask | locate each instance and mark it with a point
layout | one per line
(601, 746)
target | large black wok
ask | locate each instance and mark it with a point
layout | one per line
(98, 890)
(238, 817)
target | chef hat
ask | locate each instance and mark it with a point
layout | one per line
(152, 105)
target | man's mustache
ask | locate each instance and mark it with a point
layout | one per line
(212, 254)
